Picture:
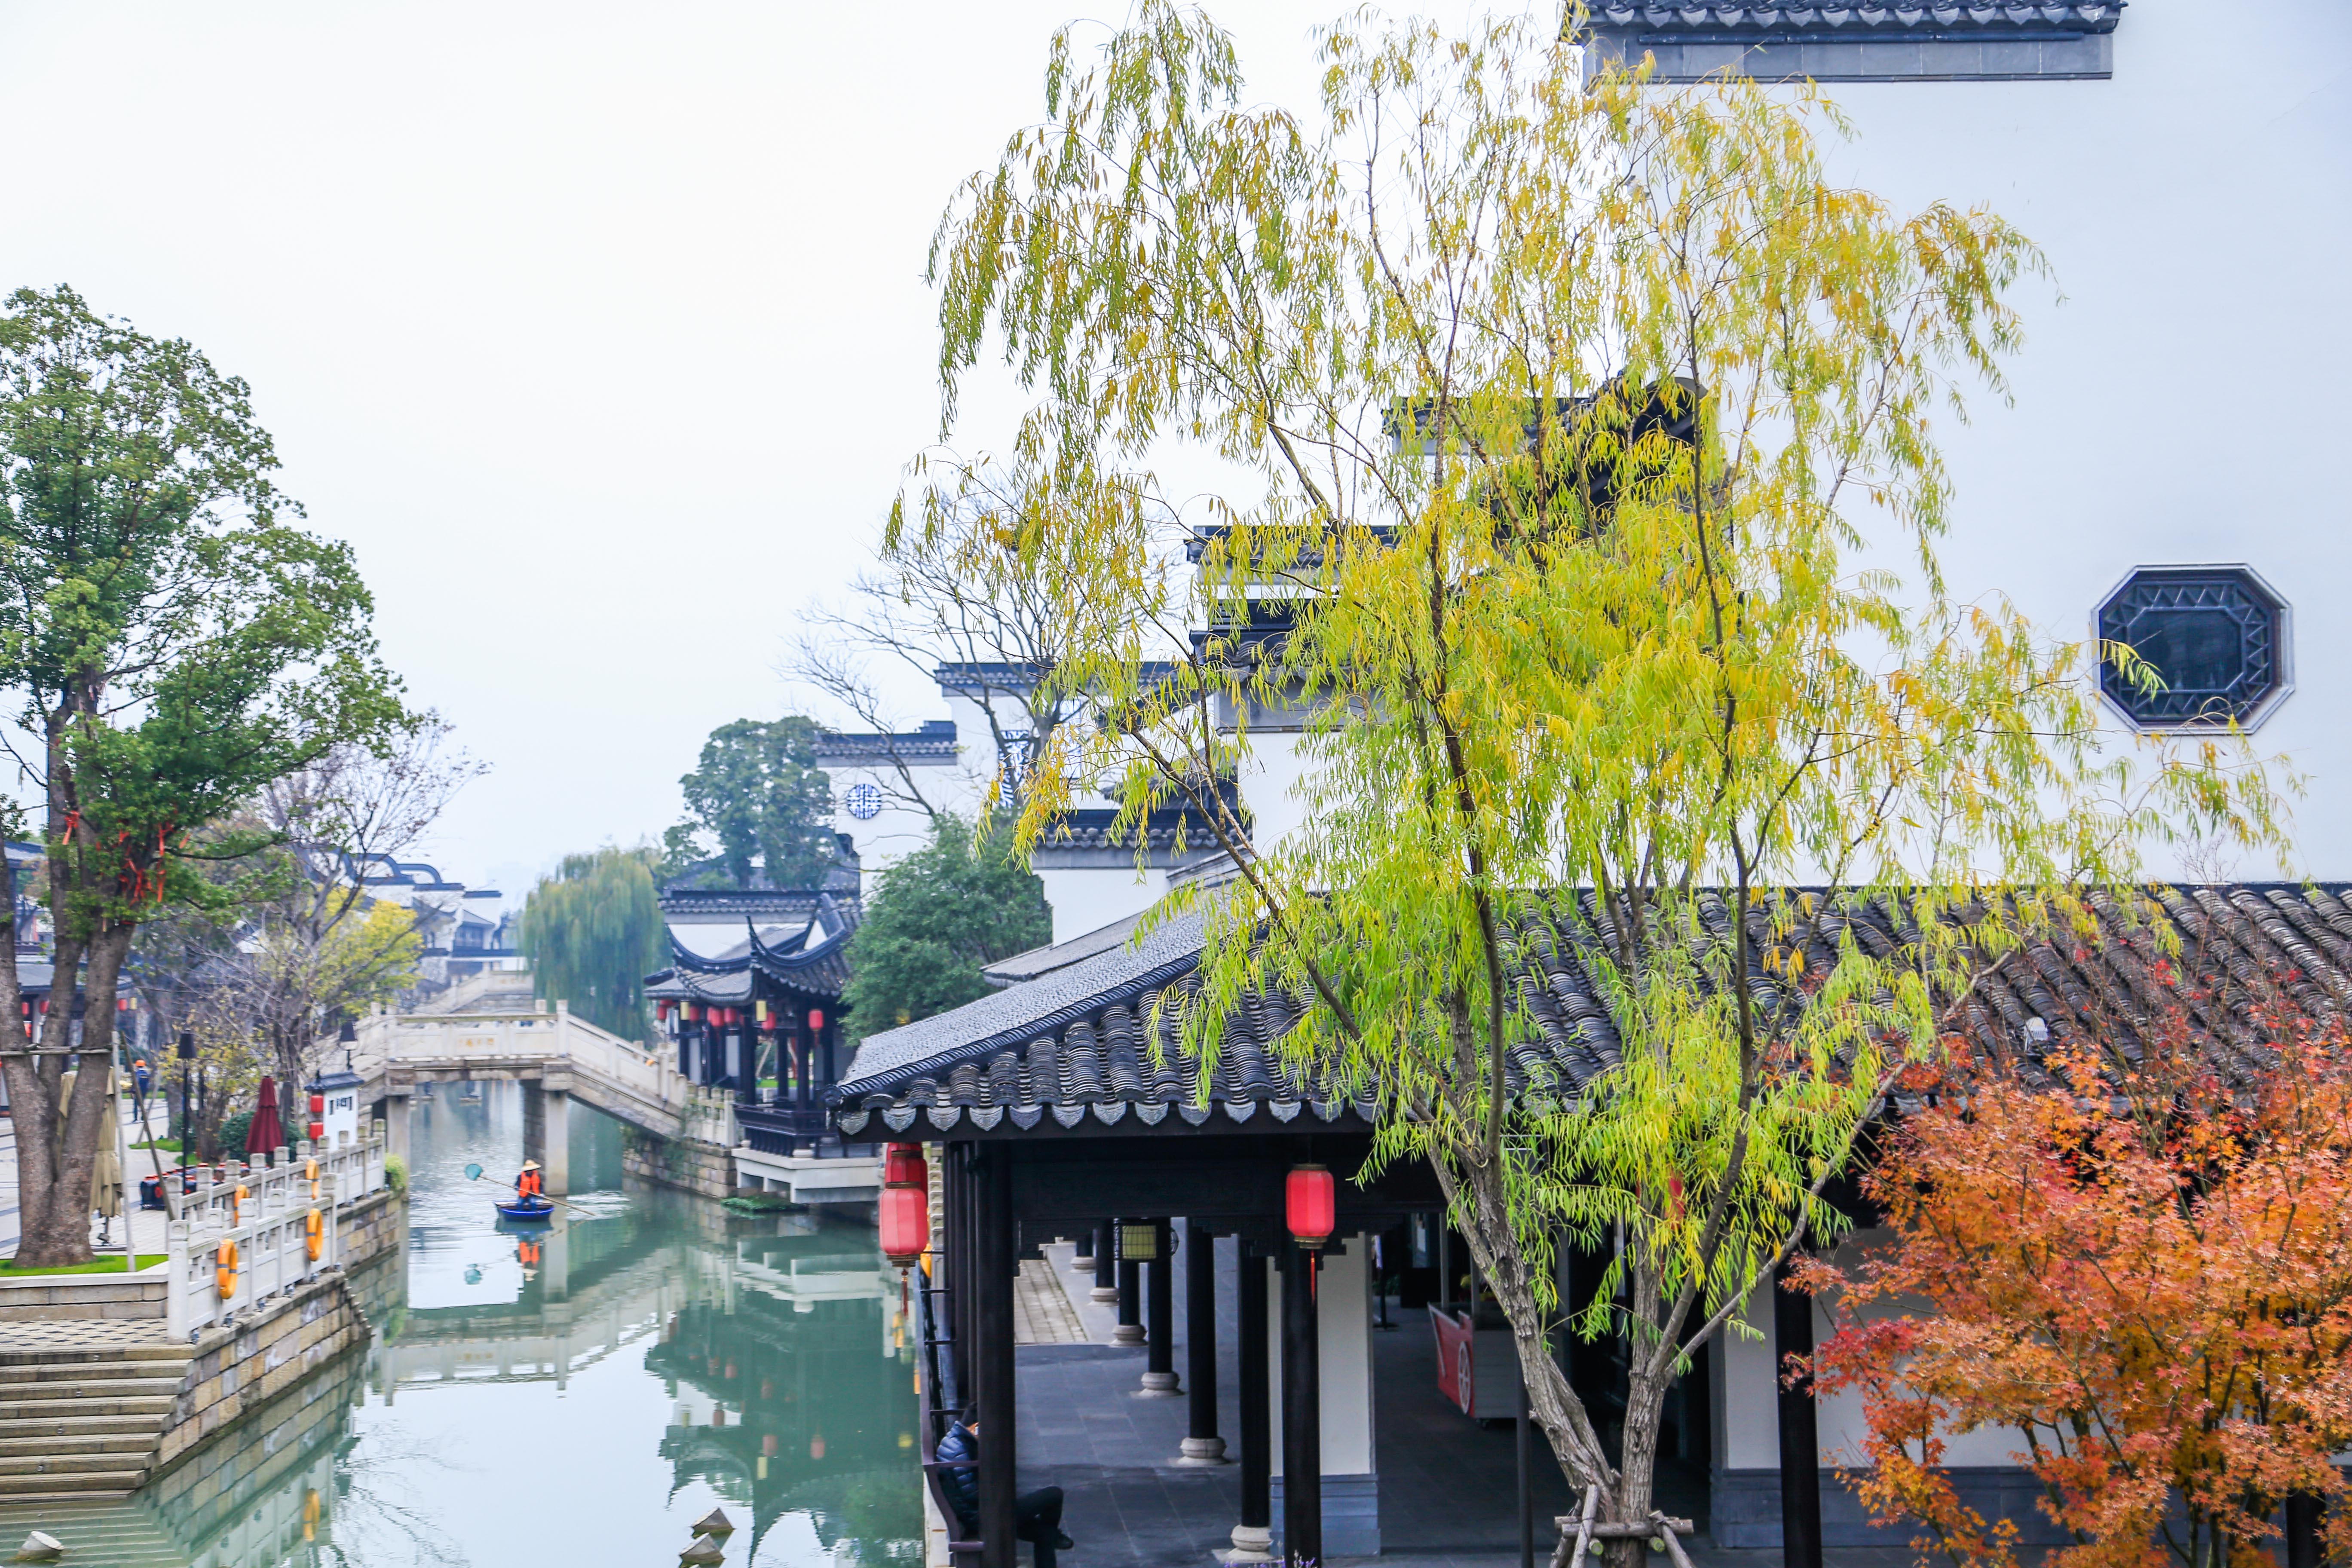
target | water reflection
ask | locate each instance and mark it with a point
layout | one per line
(580, 1395)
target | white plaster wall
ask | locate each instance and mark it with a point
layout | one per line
(1269, 777)
(2184, 404)
(900, 827)
(1343, 1326)
(1747, 1419)
(1089, 897)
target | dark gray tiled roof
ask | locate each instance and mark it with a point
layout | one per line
(1098, 1041)
(1866, 21)
(1021, 1010)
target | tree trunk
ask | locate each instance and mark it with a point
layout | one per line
(54, 1173)
(1551, 1403)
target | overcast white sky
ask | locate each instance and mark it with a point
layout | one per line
(599, 331)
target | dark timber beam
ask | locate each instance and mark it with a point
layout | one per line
(1302, 1415)
(1253, 1537)
(1800, 1448)
(998, 1461)
(1201, 1444)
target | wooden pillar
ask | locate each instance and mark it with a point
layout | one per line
(1202, 1445)
(1302, 1415)
(1129, 1330)
(2305, 1512)
(956, 1199)
(993, 1351)
(1800, 1461)
(1253, 1536)
(1160, 1319)
(800, 1064)
(1082, 1261)
(1105, 1262)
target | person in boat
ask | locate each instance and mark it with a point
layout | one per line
(1037, 1516)
(528, 1188)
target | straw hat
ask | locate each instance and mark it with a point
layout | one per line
(530, 1164)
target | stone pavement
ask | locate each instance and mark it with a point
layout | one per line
(1042, 1312)
(81, 1334)
(1446, 1485)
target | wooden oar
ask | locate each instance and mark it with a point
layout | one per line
(474, 1172)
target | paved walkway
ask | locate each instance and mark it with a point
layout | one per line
(1446, 1484)
(1042, 1312)
(81, 1334)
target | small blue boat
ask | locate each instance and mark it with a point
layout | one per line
(526, 1211)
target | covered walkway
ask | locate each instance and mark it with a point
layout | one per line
(1446, 1484)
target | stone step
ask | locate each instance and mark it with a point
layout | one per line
(76, 1371)
(39, 1409)
(76, 1484)
(76, 1423)
(74, 1355)
(15, 1467)
(140, 1440)
(14, 1394)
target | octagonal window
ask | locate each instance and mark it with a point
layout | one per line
(2215, 634)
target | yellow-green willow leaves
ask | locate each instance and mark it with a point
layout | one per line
(1587, 566)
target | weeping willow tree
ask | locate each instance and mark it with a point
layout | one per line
(1585, 547)
(594, 932)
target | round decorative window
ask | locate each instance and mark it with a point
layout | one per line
(864, 801)
(2215, 636)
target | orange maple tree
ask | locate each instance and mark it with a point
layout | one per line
(2135, 1255)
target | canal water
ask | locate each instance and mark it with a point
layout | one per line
(582, 1394)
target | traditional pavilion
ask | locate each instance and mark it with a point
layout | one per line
(752, 1001)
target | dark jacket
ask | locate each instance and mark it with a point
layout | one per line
(961, 1444)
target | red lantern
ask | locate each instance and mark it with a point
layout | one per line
(692, 1012)
(903, 1166)
(816, 1017)
(1310, 1205)
(768, 1446)
(906, 1225)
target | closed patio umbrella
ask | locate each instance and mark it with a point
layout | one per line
(265, 1134)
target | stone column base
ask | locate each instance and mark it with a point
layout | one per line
(1126, 1334)
(1103, 1293)
(1158, 1386)
(1252, 1544)
(1201, 1451)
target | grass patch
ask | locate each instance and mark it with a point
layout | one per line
(759, 1203)
(169, 1145)
(113, 1263)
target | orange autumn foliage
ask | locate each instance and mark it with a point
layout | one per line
(2139, 1265)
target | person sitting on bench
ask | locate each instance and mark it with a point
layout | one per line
(1037, 1516)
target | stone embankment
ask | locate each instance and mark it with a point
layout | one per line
(96, 1399)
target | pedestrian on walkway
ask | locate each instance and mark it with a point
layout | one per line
(1037, 1516)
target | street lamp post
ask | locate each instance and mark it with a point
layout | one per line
(187, 1106)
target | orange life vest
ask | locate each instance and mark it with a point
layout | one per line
(528, 1183)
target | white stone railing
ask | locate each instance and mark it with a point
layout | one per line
(633, 1082)
(264, 1213)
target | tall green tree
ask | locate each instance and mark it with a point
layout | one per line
(936, 919)
(592, 932)
(757, 792)
(1567, 409)
(173, 645)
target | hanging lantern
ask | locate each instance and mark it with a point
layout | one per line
(690, 1010)
(760, 1012)
(661, 1011)
(906, 1225)
(816, 1018)
(903, 1166)
(1138, 1243)
(1309, 1205)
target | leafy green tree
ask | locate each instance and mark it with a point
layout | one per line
(592, 932)
(757, 791)
(1567, 408)
(935, 919)
(173, 645)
